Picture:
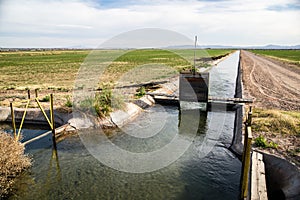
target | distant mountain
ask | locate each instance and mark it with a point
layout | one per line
(271, 46)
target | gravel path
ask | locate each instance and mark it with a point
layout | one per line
(271, 83)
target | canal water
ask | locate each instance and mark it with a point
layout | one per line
(205, 170)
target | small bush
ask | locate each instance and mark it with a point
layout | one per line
(141, 92)
(103, 103)
(12, 162)
(68, 102)
(261, 141)
(45, 99)
(273, 145)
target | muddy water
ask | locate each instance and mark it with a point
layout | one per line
(206, 170)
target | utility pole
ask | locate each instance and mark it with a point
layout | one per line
(194, 68)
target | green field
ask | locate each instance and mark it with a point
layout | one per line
(58, 69)
(292, 56)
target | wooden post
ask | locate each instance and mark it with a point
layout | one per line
(36, 93)
(246, 163)
(194, 67)
(248, 122)
(245, 146)
(13, 120)
(52, 121)
(249, 119)
(28, 93)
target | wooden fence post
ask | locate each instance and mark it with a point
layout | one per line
(52, 121)
(36, 93)
(249, 119)
(246, 162)
(28, 93)
(13, 120)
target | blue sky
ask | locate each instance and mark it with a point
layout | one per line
(88, 23)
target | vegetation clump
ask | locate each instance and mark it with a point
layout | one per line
(141, 92)
(261, 141)
(12, 162)
(283, 122)
(102, 103)
(278, 132)
(45, 98)
(68, 103)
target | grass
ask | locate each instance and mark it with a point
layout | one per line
(103, 103)
(43, 68)
(292, 56)
(141, 92)
(276, 121)
(58, 69)
(45, 99)
(12, 162)
(261, 141)
(278, 132)
(68, 103)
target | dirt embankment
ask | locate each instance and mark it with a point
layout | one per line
(273, 84)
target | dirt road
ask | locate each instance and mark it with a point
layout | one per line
(273, 84)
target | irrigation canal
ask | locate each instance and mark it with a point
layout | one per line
(206, 170)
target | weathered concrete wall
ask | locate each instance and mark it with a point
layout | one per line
(79, 120)
(33, 116)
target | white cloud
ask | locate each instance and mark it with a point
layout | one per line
(87, 23)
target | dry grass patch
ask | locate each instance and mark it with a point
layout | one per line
(12, 162)
(276, 121)
(278, 132)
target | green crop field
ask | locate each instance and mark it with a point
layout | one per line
(292, 56)
(58, 69)
(42, 68)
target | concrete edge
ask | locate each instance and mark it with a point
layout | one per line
(33, 116)
(117, 118)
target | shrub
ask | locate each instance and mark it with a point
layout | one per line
(46, 99)
(68, 102)
(103, 103)
(12, 162)
(261, 141)
(141, 92)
